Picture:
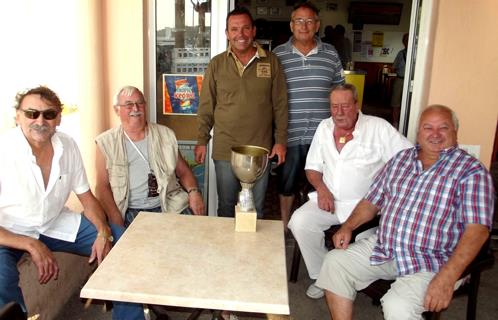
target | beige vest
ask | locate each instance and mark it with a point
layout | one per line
(162, 150)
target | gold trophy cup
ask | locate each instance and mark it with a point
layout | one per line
(248, 164)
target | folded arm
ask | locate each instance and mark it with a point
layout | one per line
(362, 213)
(325, 197)
(94, 212)
(440, 289)
(42, 257)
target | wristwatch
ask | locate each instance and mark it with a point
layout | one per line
(104, 235)
(192, 190)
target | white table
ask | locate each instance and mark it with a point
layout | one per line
(195, 262)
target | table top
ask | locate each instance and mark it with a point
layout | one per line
(195, 262)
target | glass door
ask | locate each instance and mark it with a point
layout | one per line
(183, 35)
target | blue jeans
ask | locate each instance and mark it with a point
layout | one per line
(9, 275)
(228, 187)
(292, 169)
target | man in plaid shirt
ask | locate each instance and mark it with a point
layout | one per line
(435, 202)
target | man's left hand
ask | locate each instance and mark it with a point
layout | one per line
(196, 203)
(439, 293)
(279, 150)
(100, 249)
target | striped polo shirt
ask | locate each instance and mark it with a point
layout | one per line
(309, 80)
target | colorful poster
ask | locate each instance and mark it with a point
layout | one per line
(181, 93)
(199, 170)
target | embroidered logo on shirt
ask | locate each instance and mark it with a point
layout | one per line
(263, 70)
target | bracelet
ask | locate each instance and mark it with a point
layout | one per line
(192, 190)
(106, 237)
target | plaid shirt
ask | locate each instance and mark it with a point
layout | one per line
(424, 212)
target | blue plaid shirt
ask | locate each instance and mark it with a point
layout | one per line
(424, 212)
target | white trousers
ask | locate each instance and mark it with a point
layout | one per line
(307, 225)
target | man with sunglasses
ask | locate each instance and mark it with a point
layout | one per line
(39, 168)
(311, 69)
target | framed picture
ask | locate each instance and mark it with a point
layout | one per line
(262, 11)
(274, 11)
(181, 93)
(199, 170)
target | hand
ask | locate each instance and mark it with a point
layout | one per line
(439, 293)
(278, 150)
(200, 153)
(196, 203)
(325, 200)
(100, 249)
(342, 237)
(44, 260)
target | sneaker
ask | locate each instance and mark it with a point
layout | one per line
(314, 292)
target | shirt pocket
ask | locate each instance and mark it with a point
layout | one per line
(118, 179)
(366, 157)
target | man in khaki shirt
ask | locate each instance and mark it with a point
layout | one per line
(244, 98)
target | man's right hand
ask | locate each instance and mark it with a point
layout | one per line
(325, 200)
(342, 237)
(44, 260)
(200, 153)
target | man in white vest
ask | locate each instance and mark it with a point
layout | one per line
(139, 167)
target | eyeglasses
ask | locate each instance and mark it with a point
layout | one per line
(49, 114)
(301, 21)
(129, 105)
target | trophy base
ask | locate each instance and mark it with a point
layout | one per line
(245, 221)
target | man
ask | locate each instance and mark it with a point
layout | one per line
(38, 169)
(397, 92)
(347, 151)
(311, 68)
(435, 202)
(138, 164)
(244, 97)
(342, 45)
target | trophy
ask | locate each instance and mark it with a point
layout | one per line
(248, 164)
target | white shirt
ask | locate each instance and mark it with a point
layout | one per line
(26, 207)
(348, 174)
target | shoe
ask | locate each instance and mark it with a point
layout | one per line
(314, 292)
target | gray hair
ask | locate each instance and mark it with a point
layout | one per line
(125, 91)
(346, 87)
(441, 108)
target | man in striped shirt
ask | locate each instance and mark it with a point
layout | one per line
(311, 69)
(435, 202)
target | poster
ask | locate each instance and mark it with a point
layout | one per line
(181, 93)
(199, 170)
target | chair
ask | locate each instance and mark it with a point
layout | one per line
(12, 311)
(483, 261)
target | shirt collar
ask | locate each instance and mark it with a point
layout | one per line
(260, 52)
(289, 47)
(443, 153)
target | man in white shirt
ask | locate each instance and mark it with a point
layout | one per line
(39, 168)
(347, 151)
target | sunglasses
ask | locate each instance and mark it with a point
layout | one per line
(49, 114)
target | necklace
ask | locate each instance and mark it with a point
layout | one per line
(343, 139)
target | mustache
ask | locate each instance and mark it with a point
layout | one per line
(41, 128)
(135, 113)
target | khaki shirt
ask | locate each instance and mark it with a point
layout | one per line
(244, 105)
